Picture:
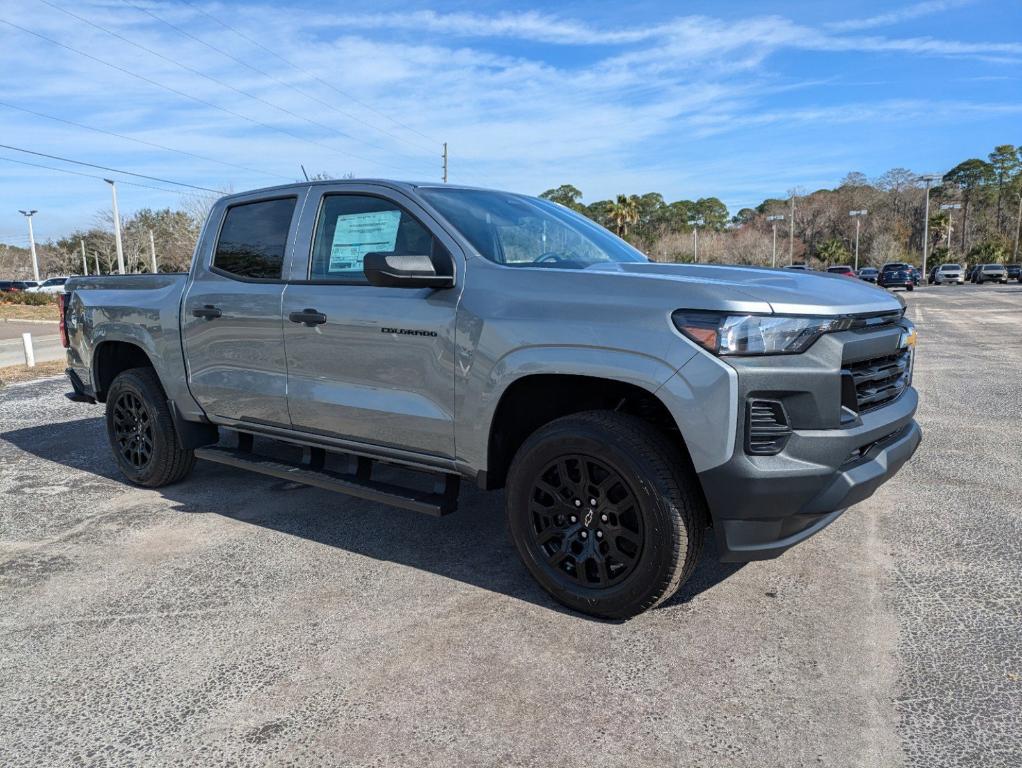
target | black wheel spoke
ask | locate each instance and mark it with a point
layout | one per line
(133, 429)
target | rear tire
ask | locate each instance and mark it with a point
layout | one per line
(141, 431)
(605, 512)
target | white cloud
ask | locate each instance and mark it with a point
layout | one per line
(629, 114)
(899, 15)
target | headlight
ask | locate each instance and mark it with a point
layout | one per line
(725, 334)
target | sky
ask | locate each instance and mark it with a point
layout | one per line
(738, 100)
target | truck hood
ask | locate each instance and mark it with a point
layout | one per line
(784, 291)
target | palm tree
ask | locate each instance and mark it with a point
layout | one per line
(624, 211)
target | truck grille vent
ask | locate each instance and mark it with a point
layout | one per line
(766, 428)
(875, 383)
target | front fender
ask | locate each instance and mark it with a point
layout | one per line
(479, 408)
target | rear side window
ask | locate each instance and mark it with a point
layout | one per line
(350, 226)
(253, 239)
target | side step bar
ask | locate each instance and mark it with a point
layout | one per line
(441, 501)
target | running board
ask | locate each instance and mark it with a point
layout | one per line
(442, 501)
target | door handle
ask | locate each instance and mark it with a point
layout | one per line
(209, 312)
(308, 317)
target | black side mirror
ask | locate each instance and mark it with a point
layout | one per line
(389, 270)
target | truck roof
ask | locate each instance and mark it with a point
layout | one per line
(401, 185)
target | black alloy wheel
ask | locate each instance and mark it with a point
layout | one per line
(585, 522)
(133, 430)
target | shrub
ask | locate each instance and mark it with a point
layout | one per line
(28, 299)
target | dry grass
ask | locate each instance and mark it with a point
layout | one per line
(28, 312)
(13, 374)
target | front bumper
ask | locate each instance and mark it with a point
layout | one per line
(766, 504)
(762, 505)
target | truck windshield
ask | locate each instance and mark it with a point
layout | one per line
(520, 231)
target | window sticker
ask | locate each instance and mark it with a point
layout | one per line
(357, 234)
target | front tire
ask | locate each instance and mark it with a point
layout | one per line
(141, 431)
(605, 513)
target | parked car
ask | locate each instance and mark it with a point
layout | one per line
(896, 277)
(869, 274)
(917, 276)
(948, 273)
(970, 273)
(10, 286)
(427, 327)
(841, 270)
(987, 273)
(799, 267)
(53, 285)
(1015, 272)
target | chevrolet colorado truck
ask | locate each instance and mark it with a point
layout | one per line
(387, 340)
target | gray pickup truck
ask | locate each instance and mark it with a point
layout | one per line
(388, 339)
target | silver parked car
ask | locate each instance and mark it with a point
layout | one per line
(949, 273)
(991, 273)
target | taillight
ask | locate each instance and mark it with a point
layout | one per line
(61, 298)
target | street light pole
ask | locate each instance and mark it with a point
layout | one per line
(31, 243)
(857, 215)
(791, 232)
(117, 228)
(774, 219)
(929, 179)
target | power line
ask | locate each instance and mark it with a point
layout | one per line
(329, 85)
(112, 170)
(143, 141)
(277, 80)
(223, 84)
(86, 175)
(168, 88)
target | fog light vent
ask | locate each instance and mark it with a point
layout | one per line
(766, 428)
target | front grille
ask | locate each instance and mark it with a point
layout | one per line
(877, 382)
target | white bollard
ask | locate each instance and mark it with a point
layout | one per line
(26, 339)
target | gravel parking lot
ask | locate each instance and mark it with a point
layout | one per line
(236, 619)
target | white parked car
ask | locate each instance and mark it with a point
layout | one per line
(949, 273)
(53, 285)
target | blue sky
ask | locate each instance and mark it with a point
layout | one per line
(741, 100)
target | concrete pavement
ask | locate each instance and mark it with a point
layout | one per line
(237, 619)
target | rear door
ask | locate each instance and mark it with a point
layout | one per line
(379, 366)
(231, 317)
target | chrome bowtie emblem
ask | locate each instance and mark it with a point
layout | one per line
(589, 517)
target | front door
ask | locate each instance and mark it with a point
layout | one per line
(373, 365)
(230, 317)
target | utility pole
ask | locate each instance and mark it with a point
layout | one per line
(857, 215)
(950, 218)
(152, 251)
(1018, 225)
(791, 232)
(929, 179)
(695, 239)
(85, 261)
(95, 256)
(445, 162)
(117, 228)
(774, 219)
(31, 243)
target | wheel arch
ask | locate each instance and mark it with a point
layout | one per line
(112, 357)
(532, 400)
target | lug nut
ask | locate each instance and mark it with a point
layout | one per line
(584, 535)
(573, 519)
(599, 534)
(578, 502)
(604, 517)
(592, 502)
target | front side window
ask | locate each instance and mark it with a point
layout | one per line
(520, 231)
(253, 239)
(350, 226)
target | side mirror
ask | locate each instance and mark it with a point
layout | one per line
(389, 270)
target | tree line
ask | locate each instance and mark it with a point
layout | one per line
(984, 225)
